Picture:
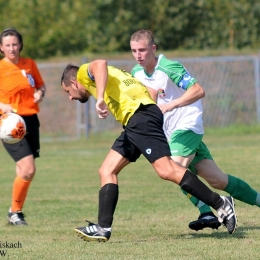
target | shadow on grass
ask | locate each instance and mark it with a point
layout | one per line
(240, 232)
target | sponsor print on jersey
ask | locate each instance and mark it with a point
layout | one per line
(29, 77)
(150, 79)
(161, 93)
(31, 80)
(184, 82)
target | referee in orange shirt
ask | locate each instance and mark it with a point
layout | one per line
(21, 89)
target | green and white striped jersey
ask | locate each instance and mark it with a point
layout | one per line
(171, 79)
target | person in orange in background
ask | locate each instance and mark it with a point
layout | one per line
(21, 89)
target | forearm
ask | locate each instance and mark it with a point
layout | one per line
(193, 94)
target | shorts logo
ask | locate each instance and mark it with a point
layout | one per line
(148, 151)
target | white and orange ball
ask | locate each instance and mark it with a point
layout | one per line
(12, 128)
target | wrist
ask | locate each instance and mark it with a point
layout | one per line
(43, 92)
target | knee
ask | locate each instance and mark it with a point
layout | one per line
(172, 173)
(107, 176)
(102, 171)
(167, 176)
(218, 181)
(163, 175)
(105, 173)
(217, 184)
(30, 172)
(27, 173)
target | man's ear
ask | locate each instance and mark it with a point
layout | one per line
(74, 84)
(64, 86)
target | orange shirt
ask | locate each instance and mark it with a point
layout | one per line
(18, 83)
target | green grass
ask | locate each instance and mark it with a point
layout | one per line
(152, 215)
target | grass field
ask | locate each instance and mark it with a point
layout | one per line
(152, 215)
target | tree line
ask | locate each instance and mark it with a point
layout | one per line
(62, 27)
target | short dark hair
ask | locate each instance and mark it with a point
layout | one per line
(13, 32)
(69, 73)
(143, 35)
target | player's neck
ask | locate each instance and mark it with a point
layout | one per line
(150, 68)
(14, 61)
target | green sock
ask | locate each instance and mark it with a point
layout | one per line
(203, 208)
(240, 190)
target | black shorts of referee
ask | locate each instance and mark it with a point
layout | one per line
(30, 144)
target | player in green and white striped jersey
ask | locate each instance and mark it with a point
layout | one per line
(178, 95)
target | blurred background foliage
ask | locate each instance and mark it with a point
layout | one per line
(55, 27)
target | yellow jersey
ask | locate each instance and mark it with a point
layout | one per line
(123, 94)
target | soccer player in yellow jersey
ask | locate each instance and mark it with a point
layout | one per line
(117, 92)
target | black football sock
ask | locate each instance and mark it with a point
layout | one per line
(191, 184)
(108, 196)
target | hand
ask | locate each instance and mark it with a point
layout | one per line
(165, 108)
(37, 97)
(7, 108)
(101, 108)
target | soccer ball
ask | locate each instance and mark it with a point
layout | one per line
(12, 128)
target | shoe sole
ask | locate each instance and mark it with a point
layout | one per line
(13, 224)
(231, 200)
(89, 238)
(201, 224)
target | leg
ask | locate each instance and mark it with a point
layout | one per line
(191, 184)
(25, 171)
(236, 187)
(185, 162)
(24, 154)
(206, 219)
(111, 166)
(167, 169)
(185, 145)
(208, 170)
(108, 196)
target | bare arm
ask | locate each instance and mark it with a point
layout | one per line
(153, 93)
(98, 69)
(194, 93)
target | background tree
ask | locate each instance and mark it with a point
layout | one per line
(55, 27)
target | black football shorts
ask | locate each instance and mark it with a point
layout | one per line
(30, 144)
(143, 134)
